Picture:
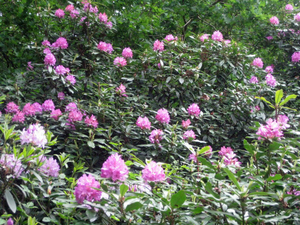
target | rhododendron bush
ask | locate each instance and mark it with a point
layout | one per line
(182, 129)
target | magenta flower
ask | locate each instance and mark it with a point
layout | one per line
(274, 20)
(50, 59)
(50, 167)
(102, 46)
(153, 172)
(269, 69)
(48, 105)
(37, 107)
(71, 107)
(257, 108)
(230, 160)
(253, 80)
(225, 150)
(289, 7)
(60, 13)
(55, 114)
(114, 167)
(186, 123)
(60, 42)
(74, 116)
(29, 66)
(258, 62)
(35, 135)
(46, 43)
(74, 14)
(19, 117)
(204, 37)
(269, 131)
(193, 157)
(121, 90)
(189, 135)
(69, 8)
(28, 110)
(270, 80)
(217, 36)
(61, 96)
(127, 53)
(156, 136)
(158, 65)
(163, 116)
(47, 51)
(109, 48)
(14, 166)
(60, 70)
(170, 37)
(109, 24)
(71, 79)
(158, 46)
(11, 107)
(282, 120)
(297, 17)
(143, 123)
(296, 57)
(269, 38)
(10, 221)
(84, 189)
(103, 17)
(194, 110)
(120, 62)
(91, 121)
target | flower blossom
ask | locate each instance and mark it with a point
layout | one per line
(143, 123)
(194, 110)
(120, 61)
(61, 96)
(74, 13)
(50, 59)
(35, 134)
(186, 123)
(109, 24)
(60, 13)
(269, 69)
(269, 38)
(28, 110)
(127, 53)
(37, 107)
(11, 107)
(289, 7)
(283, 121)
(103, 17)
(61, 42)
(71, 107)
(217, 36)
(47, 51)
(273, 129)
(163, 116)
(55, 114)
(274, 20)
(74, 116)
(204, 37)
(60, 70)
(71, 79)
(10, 222)
(297, 17)
(170, 37)
(296, 57)
(229, 157)
(13, 166)
(156, 136)
(258, 62)
(114, 167)
(29, 66)
(69, 8)
(153, 172)
(19, 117)
(121, 90)
(270, 80)
(189, 135)
(50, 167)
(158, 46)
(46, 43)
(253, 80)
(91, 121)
(48, 105)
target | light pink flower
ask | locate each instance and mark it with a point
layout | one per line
(270, 80)
(19, 117)
(189, 135)
(120, 61)
(274, 20)
(14, 166)
(143, 123)
(186, 123)
(47, 51)
(71, 107)
(296, 57)
(289, 7)
(269, 38)
(74, 116)
(258, 62)
(28, 110)
(217, 36)
(297, 17)
(48, 105)
(257, 108)
(269, 69)
(269, 131)
(170, 37)
(10, 222)
(55, 114)
(127, 53)
(103, 17)
(156, 136)
(74, 14)
(29, 66)
(193, 157)
(69, 8)
(163, 116)
(194, 110)
(230, 160)
(114, 167)
(91, 121)
(71, 79)
(60, 13)
(60, 70)
(60, 42)
(61, 96)
(121, 90)
(283, 121)
(37, 107)
(253, 80)
(225, 150)
(158, 46)
(46, 43)
(35, 135)
(50, 59)
(49, 167)
(109, 24)
(153, 172)
(11, 107)
(204, 37)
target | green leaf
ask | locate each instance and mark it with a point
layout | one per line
(208, 188)
(265, 100)
(10, 201)
(91, 144)
(133, 206)
(288, 98)
(123, 190)
(276, 177)
(232, 178)
(278, 96)
(178, 199)
(206, 163)
(248, 147)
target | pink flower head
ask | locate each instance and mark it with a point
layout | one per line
(102, 46)
(50, 167)
(225, 150)
(103, 17)
(93, 9)
(37, 107)
(153, 172)
(10, 222)
(269, 38)
(270, 80)
(50, 59)
(109, 48)
(48, 105)
(19, 117)
(74, 116)
(120, 62)
(230, 160)
(271, 130)
(143, 123)
(69, 8)
(208, 153)
(61, 96)
(109, 24)
(127, 53)
(61, 42)
(204, 37)
(35, 135)
(189, 135)
(258, 62)
(29, 110)
(60, 13)
(257, 108)
(283, 121)
(14, 166)
(71, 79)
(253, 80)
(47, 51)
(158, 46)
(46, 43)
(269, 69)
(297, 17)
(55, 114)
(74, 14)
(227, 42)
(296, 57)
(274, 20)
(156, 136)
(289, 7)
(163, 116)
(114, 167)
(158, 65)
(217, 36)
(60, 70)
(170, 37)
(194, 110)
(186, 123)
(11, 107)
(193, 157)
(29, 66)
(71, 107)
(121, 90)
(91, 121)
(84, 189)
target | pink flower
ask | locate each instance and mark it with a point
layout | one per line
(109, 24)
(283, 121)
(296, 57)
(84, 189)
(46, 43)
(217, 36)
(114, 167)
(106, 47)
(269, 69)
(230, 160)
(69, 8)
(29, 66)
(11, 107)
(74, 116)
(227, 42)
(61, 96)
(29, 110)
(193, 157)
(120, 61)
(127, 53)
(71, 107)
(158, 46)
(156, 136)
(170, 37)
(91, 121)
(60, 13)
(204, 37)
(47, 51)
(50, 59)
(60, 42)
(48, 105)
(258, 62)
(253, 80)
(10, 221)
(14, 166)
(289, 7)
(270, 80)
(297, 17)
(19, 117)
(257, 108)
(37, 107)
(109, 48)
(270, 131)
(74, 13)
(163, 116)
(60, 70)
(55, 114)
(225, 150)
(194, 110)
(274, 20)
(186, 123)
(158, 65)
(50, 167)
(189, 135)
(269, 38)
(153, 172)
(103, 17)
(143, 123)
(71, 79)
(121, 90)
(208, 153)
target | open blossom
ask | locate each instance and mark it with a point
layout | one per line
(121, 90)
(271, 130)
(61, 42)
(48, 105)
(225, 150)
(270, 80)
(170, 37)
(143, 123)
(289, 7)
(71, 107)
(60, 13)
(37, 107)
(84, 189)
(186, 123)
(158, 46)
(120, 61)
(71, 79)
(47, 51)
(204, 37)
(253, 80)
(14, 166)
(189, 134)
(91, 121)
(282, 120)
(19, 117)
(29, 66)
(296, 57)
(156, 136)
(55, 114)
(74, 13)
(103, 17)
(61, 96)
(127, 53)
(10, 221)
(163, 116)
(114, 167)
(269, 69)
(11, 107)
(194, 110)
(258, 62)
(60, 70)
(193, 157)
(217, 36)
(274, 20)
(35, 134)
(74, 116)
(153, 172)
(28, 110)
(229, 157)
(227, 42)
(269, 38)
(46, 43)
(50, 59)
(109, 24)
(49, 167)
(69, 8)
(293, 192)
(297, 17)
(106, 47)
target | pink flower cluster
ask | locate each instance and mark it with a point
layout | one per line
(75, 116)
(170, 37)
(105, 47)
(61, 96)
(48, 105)
(269, 38)
(296, 57)
(163, 116)
(35, 135)
(189, 135)
(114, 167)
(61, 42)
(143, 123)
(60, 13)
(297, 17)
(217, 36)
(274, 20)
(127, 53)
(61, 70)
(253, 80)
(269, 69)
(49, 167)
(158, 46)
(12, 107)
(50, 59)
(29, 110)
(258, 63)
(13, 164)
(71, 79)
(71, 107)
(91, 121)
(120, 62)
(121, 90)
(84, 189)
(55, 114)
(289, 7)
(185, 124)
(153, 172)
(204, 37)
(156, 136)
(194, 110)
(103, 17)
(270, 80)
(229, 157)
